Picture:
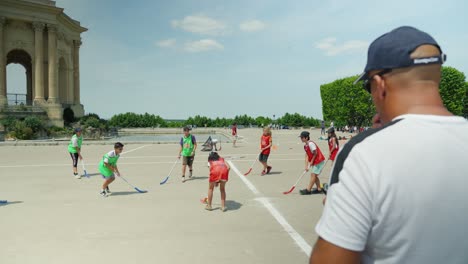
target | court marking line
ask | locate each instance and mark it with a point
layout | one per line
(206, 155)
(298, 239)
(125, 152)
(124, 163)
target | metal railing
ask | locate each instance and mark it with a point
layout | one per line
(18, 99)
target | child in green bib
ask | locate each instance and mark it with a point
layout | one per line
(74, 148)
(188, 145)
(108, 167)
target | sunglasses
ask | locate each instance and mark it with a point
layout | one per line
(367, 82)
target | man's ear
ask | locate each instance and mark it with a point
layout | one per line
(380, 87)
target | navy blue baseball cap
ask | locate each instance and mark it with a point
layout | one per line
(392, 50)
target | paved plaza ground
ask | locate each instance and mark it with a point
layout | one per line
(51, 217)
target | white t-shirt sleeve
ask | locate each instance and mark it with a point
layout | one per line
(312, 146)
(347, 216)
(111, 154)
(75, 142)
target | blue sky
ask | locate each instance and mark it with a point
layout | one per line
(180, 58)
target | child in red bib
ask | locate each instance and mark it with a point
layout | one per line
(219, 174)
(333, 144)
(265, 148)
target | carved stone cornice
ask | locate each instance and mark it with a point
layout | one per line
(52, 28)
(38, 26)
(77, 43)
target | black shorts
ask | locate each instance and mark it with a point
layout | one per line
(263, 157)
(74, 157)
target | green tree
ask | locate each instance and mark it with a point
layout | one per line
(465, 107)
(453, 90)
(346, 103)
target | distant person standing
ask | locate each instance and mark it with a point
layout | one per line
(333, 144)
(234, 134)
(265, 148)
(188, 145)
(322, 132)
(74, 148)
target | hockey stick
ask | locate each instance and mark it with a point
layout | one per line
(294, 186)
(84, 169)
(167, 178)
(138, 190)
(251, 167)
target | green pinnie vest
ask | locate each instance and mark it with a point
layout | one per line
(187, 146)
(112, 161)
(71, 148)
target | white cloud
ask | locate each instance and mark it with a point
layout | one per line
(201, 25)
(166, 43)
(203, 45)
(252, 25)
(332, 48)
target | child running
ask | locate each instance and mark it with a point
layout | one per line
(74, 148)
(265, 148)
(219, 174)
(315, 159)
(333, 144)
(108, 168)
(188, 145)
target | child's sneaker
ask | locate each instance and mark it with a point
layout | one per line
(103, 193)
(208, 207)
(190, 174)
(268, 169)
(183, 178)
(223, 209)
(77, 176)
(108, 191)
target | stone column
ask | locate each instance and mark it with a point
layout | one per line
(3, 97)
(76, 69)
(54, 108)
(53, 88)
(38, 63)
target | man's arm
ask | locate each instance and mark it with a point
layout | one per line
(327, 253)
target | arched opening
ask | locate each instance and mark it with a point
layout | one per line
(19, 79)
(63, 81)
(68, 116)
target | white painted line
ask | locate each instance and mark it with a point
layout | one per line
(206, 155)
(244, 179)
(125, 152)
(130, 163)
(300, 241)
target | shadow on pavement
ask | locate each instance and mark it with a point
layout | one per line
(123, 193)
(12, 202)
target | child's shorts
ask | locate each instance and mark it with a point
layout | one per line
(187, 160)
(317, 169)
(263, 157)
(108, 177)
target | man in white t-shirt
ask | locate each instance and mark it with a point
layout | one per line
(388, 200)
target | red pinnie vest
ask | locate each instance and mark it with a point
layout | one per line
(319, 158)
